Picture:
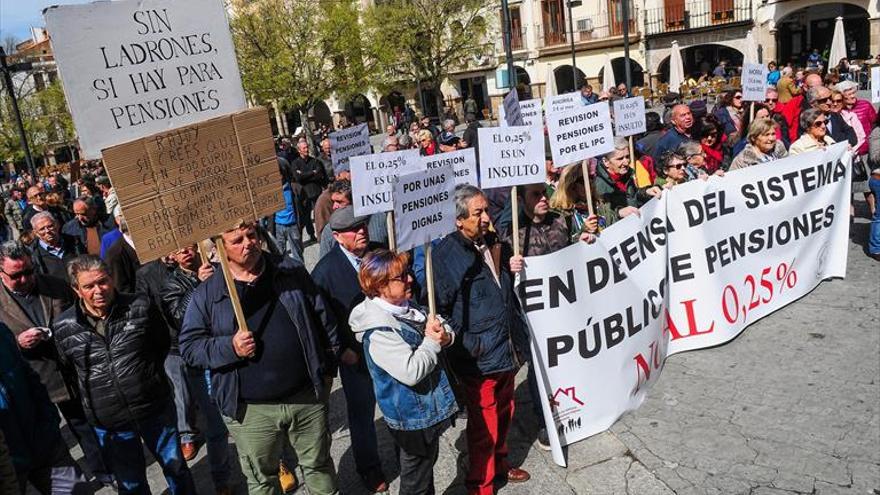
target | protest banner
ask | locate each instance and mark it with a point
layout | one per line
(563, 103)
(875, 84)
(511, 110)
(132, 68)
(178, 187)
(754, 82)
(463, 162)
(373, 177)
(629, 116)
(346, 143)
(511, 156)
(530, 111)
(579, 134)
(693, 271)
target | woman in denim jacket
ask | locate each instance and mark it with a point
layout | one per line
(402, 347)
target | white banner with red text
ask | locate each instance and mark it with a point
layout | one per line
(697, 267)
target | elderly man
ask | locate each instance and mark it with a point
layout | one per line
(36, 199)
(271, 381)
(391, 143)
(325, 159)
(52, 251)
(682, 122)
(819, 97)
(336, 276)
(87, 226)
(309, 173)
(113, 343)
(29, 304)
(587, 95)
(14, 212)
(340, 197)
(474, 285)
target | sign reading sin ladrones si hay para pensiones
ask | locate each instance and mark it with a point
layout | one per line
(131, 68)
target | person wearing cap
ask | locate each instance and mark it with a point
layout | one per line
(336, 276)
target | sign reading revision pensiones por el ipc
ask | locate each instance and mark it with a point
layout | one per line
(579, 134)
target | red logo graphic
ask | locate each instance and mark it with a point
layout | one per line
(568, 392)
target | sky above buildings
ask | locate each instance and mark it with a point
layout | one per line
(18, 16)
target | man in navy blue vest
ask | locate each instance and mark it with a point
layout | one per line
(336, 276)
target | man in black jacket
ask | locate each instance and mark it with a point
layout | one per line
(336, 276)
(88, 226)
(819, 98)
(52, 251)
(114, 345)
(308, 172)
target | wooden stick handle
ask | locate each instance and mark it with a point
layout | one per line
(585, 168)
(204, 252)
(514, 206)
(392, 238)
(429, 276)
(230, 285)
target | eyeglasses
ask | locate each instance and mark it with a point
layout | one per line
(819, 123)
(771, 100)
(737, 97)
(822, 100)
(678, 166)
(19, 275)
(837, 101)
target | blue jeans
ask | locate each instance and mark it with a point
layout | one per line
(216, 434)
(874, 236)
(289, 241)
(360, 401)
(159, 434)
(178, 375)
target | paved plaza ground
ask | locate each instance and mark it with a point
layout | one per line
(792, 406)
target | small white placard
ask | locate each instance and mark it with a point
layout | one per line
(346, 143)
(530, 111)
(629, 116)
(511, 156)
(463, 163)
(373, 177)
(579, 134)
(424, 206)
(754, 82)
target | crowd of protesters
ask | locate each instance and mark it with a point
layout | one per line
(131, 354)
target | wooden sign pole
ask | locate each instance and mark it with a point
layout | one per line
(429, 275)
(585, 169)
(392, 238)
(204, 252)
(514, 206)
(230, 285)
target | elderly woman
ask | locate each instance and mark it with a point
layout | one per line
(673, 167)
(615, 182)
(693, 152)
(427, 145)
(402, 350)
(815, 135)
(762, 147)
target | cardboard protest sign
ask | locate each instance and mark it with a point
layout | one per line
(629, 116)
(373, 177)
(346, 143)
(875, 84)
(563, 102)
(579, 134)
(131, 68)
(463, 163)
(692, 271)
(530, 111)
(512, 115)
(423, 206)
(187, 184)
(511, 156)
(754, 82)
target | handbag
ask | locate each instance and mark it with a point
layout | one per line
(859, 169)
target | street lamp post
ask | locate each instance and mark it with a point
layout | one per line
(508, 49)
(625, 6)
(574, 71)
(7, 79)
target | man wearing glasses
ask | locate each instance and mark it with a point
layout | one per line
(835, 127)
(29, 304)
(52, 250)
(36, 199)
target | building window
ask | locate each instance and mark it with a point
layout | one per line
(553, 21)
(516, 30)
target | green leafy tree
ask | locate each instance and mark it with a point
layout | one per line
(424, 40)
(297, 53)
(47, 122)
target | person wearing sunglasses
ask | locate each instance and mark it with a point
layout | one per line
(728, 111)
(816, 137)
(836, 128)
(763, 146)
(673, 169)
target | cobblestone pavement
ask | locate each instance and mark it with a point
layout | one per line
(791, 406)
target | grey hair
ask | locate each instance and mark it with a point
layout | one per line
(13, 250)
(620, 143)
(41, 215)
(85, 263)
(813, 94)
(808, 116)
(464, 193)
(844, 86)
(689, 148)
(404, 141)
(449, 124)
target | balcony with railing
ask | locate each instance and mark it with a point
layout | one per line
(678, 15)
(596, 28)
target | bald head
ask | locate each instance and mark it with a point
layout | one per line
(682, 118)
(813, 80)
(36, 197)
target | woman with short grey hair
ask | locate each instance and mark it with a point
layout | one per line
(762, 145)
(815, 137)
